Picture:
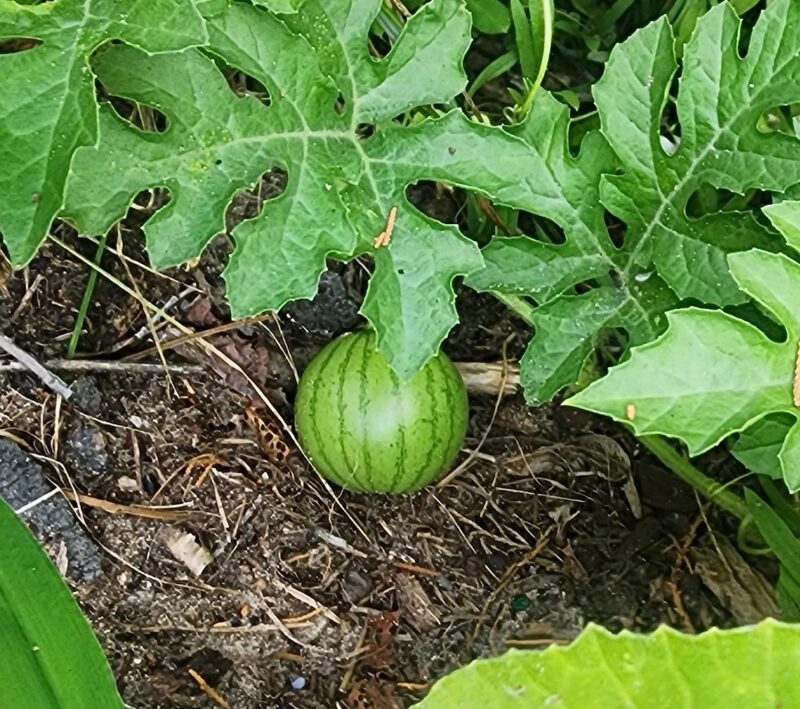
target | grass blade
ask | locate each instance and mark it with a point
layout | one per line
(49, 658)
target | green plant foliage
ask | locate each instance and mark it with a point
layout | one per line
(785, 545)
(489, 16)
(50, 659)
(325, 90)
(759, 446)
(711, 374)
(47, 104)
(666, 255)
(746, 667)
(566, 189)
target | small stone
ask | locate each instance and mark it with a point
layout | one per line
(87, 396)
(127, 484)
(85, 449)
(51, 520)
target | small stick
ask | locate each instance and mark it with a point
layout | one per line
(114, 508)
(479, 377)
(212, 693)
(50, 380)
(488, 377)
(103, 366)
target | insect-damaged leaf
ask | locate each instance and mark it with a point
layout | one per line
(47, 101)
(711, 374)
(326, 93)
(666, 255)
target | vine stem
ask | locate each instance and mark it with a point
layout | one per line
(677, 463)
(518, 304)
(685, 470)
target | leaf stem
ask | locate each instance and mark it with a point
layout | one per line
(685, 470)
(518, 304)
(662, 450)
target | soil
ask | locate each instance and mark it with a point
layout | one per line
(315, 597)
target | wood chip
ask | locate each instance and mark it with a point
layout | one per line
(415, 603)
(184, 547)
(741, 589)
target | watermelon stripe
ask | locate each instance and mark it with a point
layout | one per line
(318, 443)
(347, 473)
(363, 415)
(433, 420)
(448, 385)
(400, 458)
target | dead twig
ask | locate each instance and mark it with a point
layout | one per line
(113, 508)
(210, 692)
(103, 367)
(50, 380)
(489, 377)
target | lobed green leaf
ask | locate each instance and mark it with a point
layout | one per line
(666, 255)
(47, 96)
(751, 666)
(326, 94)
(711, 374)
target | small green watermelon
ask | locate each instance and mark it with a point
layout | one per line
(366, 430)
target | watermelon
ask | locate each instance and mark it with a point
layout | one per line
(366, 430)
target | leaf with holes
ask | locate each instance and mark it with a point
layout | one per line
(711, 374)
(328, 124)
(47, 102)
(666, 255)
(718, 668)
(568, 323)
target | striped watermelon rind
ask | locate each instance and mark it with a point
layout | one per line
(368, 431)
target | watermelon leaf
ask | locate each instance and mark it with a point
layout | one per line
(326, 94)
(47, 101)
(718, 668)
(666, 255)
(50, 658)
(759, 446)
(711, 374)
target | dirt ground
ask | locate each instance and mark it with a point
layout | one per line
(308, 596)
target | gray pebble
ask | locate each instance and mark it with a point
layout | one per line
(85, 450)
(52, 521)
(87, 396)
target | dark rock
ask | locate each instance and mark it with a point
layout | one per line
(52, 521)
(85, 450)
(87, 396)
